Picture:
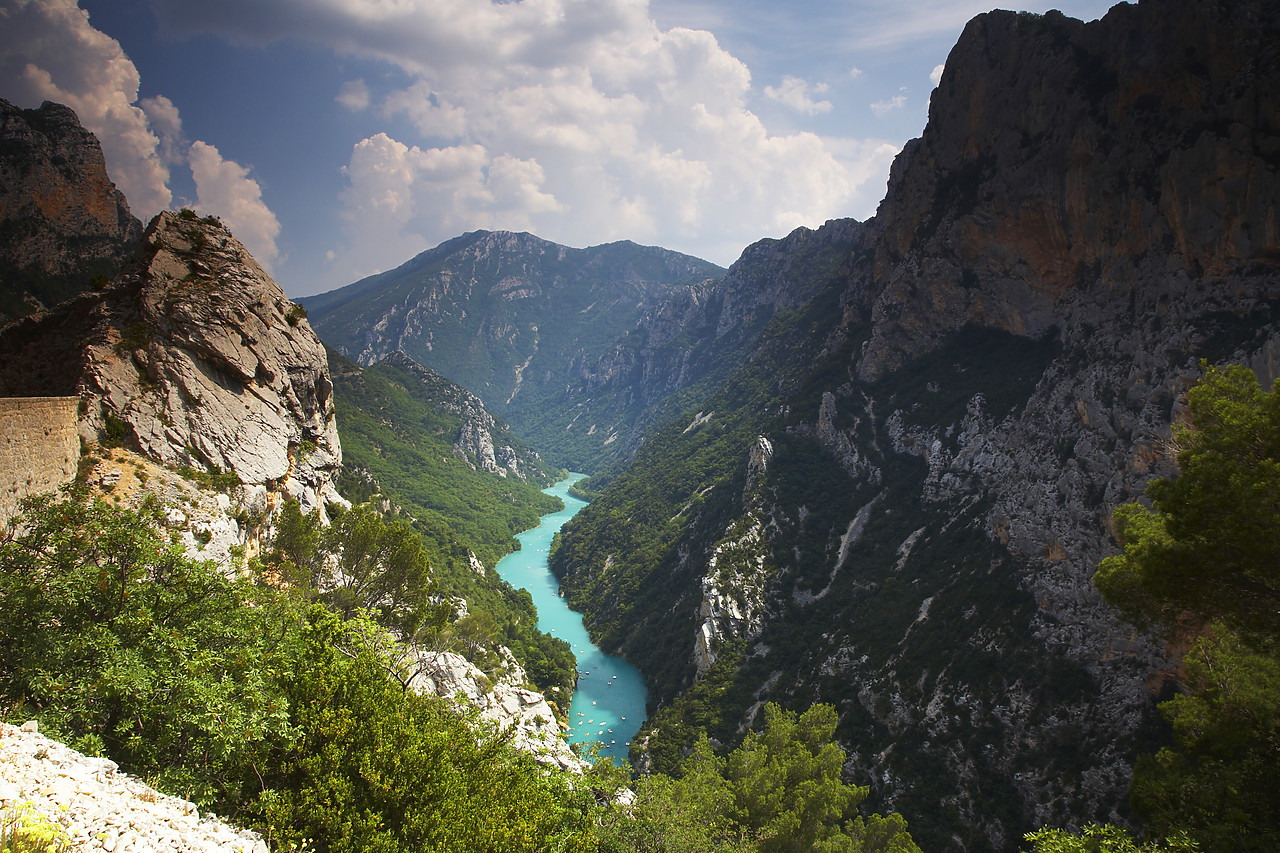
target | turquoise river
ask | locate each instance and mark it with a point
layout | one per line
(608, 706)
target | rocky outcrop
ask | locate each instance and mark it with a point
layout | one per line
(1091, 210)
(62, 221)
(483, 441)
(504, 704)
(194, 357)
(96, 807)
(1066, 165)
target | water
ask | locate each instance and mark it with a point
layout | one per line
(608, 706)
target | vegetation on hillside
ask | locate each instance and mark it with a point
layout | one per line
(283, 707)
(261, 703)
(1202, 563)
(398, 431)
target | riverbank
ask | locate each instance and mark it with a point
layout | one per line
(608, 705)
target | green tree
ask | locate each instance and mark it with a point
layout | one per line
(119, 644)
(1210, 544)
(781, 790)
(786, 780)
(1204, 561)
(380, 565)
(380, 769)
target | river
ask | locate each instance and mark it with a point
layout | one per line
(608, 705)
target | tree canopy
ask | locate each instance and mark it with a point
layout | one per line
(1203, 563)
(1210, 543)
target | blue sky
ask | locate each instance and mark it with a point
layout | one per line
(338, 138)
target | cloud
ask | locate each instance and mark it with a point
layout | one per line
(49, 51)
(581, 120)
(883, 108)
(224, 188)
(794, 93)
(165, 122)
(354, 95)
(936, 74)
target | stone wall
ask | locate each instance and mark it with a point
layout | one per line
(39, 447)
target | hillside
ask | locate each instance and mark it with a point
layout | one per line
(516, 320)
(897, 502)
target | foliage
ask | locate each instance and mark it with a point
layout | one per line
(122, 645)
(1102, 838)
(1219, 780)
(1209, 545)
(262, 706)
(1209, 549)
(779, 791)
(380, 769)
(24, 830)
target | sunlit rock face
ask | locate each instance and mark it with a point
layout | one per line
(505, 704)
(195, 357)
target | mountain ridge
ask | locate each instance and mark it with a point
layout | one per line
(908, 527)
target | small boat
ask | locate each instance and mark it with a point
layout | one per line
(622, 718)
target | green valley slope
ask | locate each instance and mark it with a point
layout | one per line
(514, 319)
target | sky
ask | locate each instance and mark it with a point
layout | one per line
(339, 138)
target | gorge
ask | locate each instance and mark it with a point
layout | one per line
(871, 465)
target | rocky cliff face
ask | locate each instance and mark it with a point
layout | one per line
(505, 704)
(1068, 165)
(514, 319)
(62, 221)
(194, 357)
(1090, 211)
(483, 441)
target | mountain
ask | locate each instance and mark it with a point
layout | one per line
(430, 446)
(62, 221)
(896, 502)
(514, 319)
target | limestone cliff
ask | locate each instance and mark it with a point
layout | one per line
(194, 357)
(1069, 166)
(1091, 210)
(506, 703)
(62, 221)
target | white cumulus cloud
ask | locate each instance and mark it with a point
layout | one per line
(580, 120)
(936, 74)
(794, 93)
(49, 51)
(224, 188)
